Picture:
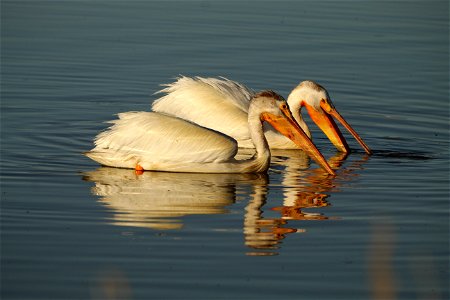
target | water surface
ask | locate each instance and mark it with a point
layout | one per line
(73, 230)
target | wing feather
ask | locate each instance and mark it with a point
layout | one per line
(153, 137)
(217, 103)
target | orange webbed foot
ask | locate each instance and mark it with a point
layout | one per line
(139, 170)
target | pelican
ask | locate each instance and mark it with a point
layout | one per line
(222, 105)
(158, 142)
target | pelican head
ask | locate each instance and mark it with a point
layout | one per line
(271, 107)
(317, 102)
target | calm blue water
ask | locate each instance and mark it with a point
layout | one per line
(72, 230)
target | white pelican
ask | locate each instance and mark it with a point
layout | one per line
(222, 104)
(154, 141)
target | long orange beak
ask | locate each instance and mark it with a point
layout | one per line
(324, 120)
(287, 126)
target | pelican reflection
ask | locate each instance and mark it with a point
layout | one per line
(159, 200)
(303, 190)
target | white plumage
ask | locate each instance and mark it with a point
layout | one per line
(146, 134)
(219, 104)
(222, 104)
(154, 141)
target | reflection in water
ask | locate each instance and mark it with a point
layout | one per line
(303, 189)
(380, 262)
(110, 283)
(159, 200)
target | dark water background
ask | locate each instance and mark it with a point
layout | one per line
(72, 230)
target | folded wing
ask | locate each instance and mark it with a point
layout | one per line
(138, 137)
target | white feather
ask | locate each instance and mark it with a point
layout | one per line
(217, 103)
(144, 137)
(155, 141)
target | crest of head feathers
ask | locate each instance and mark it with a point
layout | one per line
(270, 94)
(311, 84)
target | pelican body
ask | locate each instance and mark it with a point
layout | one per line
(159, 142)
(222, 105)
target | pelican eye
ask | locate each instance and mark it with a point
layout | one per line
(325, 105)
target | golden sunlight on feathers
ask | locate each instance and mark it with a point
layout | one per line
(222, 105)
(154, 141)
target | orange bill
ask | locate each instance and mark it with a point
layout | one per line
(334, 113)
(287, 126)
(326, 123)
